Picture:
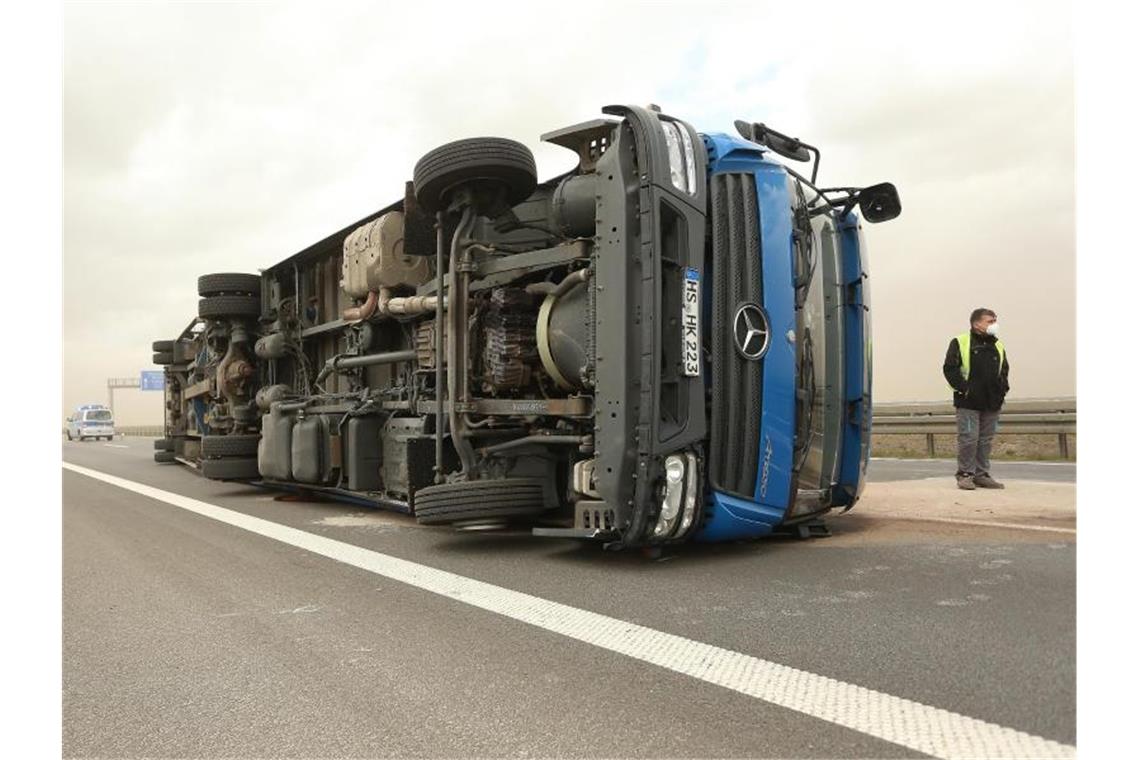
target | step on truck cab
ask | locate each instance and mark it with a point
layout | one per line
(669, 343)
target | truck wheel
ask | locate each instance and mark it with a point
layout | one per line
(163, 444)
(183, 352)
(230, 469)
(494, 163)
(163, 357)
(230, 445)
(479, 500)
(229, 283)
(162, 346)
(229, 306)
(164, 457)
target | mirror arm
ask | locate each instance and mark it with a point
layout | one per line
(845, 203)
(852, 201)
(814, 163)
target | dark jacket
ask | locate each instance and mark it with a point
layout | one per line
(985, 391)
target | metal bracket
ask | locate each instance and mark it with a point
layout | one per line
(811, 529)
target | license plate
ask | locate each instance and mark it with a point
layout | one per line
(690, 323)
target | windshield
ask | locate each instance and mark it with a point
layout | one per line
(98, 415)
(820, 315)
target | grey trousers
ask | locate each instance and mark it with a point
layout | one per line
(975, 440)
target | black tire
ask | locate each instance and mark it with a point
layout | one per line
(229, 283)
(164, 358)
(183, 352)
(163, 444)
(507, 164)
(244, 468)
(479, 499)
(229, 306)
(164, 457)
(229, 445)
(162, 346)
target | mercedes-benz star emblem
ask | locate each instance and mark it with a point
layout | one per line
(750, 331)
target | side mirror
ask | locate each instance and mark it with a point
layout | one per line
(879, 203)
(788, 147)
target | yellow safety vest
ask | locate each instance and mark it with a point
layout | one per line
(964, 352)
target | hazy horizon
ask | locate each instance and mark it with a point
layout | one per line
(207, 138)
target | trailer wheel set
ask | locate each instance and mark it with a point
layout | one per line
(228, 311)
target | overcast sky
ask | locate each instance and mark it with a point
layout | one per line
(213, 137)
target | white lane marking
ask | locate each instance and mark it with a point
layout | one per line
(985, 524)
(934, 731)
(116, 445)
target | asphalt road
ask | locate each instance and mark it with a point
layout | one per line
(881, 470)
(189, 637)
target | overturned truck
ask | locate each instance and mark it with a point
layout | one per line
(669, 342)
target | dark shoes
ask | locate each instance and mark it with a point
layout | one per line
(972, 482)
(985, 481)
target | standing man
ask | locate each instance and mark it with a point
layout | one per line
(977, 369)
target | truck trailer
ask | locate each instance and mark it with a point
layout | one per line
(670, 342)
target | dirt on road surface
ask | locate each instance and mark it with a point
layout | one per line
(1024, 510)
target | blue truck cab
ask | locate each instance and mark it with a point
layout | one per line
(807, 400)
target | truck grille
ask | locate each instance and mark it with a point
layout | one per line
(736, 382)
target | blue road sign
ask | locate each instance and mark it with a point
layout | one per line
(151, 380)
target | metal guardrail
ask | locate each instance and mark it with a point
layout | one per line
(1034, 416)
(149, 431)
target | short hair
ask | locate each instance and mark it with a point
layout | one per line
(977, 314)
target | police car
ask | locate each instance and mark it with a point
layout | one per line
(91, 421)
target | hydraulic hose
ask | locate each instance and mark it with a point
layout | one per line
(341, 361)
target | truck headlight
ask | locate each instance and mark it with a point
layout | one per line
(678, 495)
(682, 163)
(689, 515)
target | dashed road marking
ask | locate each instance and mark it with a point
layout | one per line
(923, 728)
(116, 445)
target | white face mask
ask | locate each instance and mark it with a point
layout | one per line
(992, 329)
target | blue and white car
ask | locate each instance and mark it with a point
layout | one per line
(91, 421)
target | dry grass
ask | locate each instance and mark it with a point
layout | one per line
(1006, 447)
